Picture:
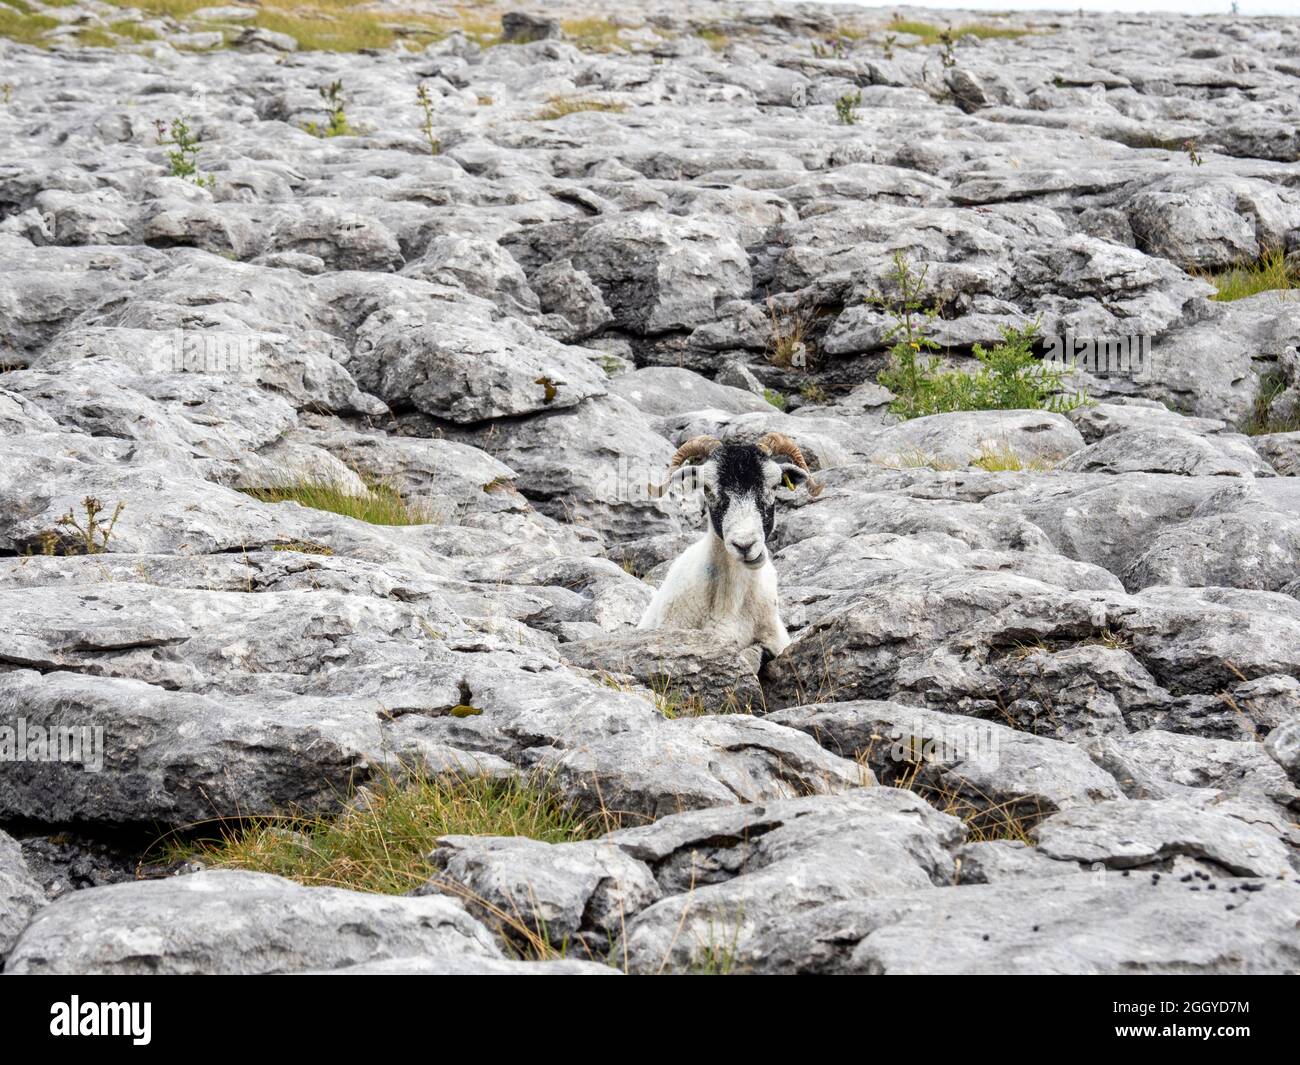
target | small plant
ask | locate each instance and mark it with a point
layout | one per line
(559, 106)
(92, 530)
(336, 108)
(813, 393)
(1189, 146)
(830, 48)
(891, 39)
(846, 108)
(185, 150)
(6, 93)
(426, 126)
(775, 398)
(949, 58)
(910, 368)
(592, 34)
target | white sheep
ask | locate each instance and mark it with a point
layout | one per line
(725, 582)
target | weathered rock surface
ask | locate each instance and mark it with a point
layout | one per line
(239, 923)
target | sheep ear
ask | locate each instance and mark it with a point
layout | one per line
(792, 476)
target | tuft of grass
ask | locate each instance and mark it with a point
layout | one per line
(787, 339)
(713, 37)
(813, 393)
(1003, 458)
(1264, 418)
(673, 703)
(381, 841)
(593, 34)
(1249, 279)
(25, 28)
(176, 9)
(304, 547)
(931, 34)
(382, 504)
(777, 399)
(985, 819)
(559, 106)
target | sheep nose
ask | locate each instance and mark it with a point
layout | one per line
(744, 549)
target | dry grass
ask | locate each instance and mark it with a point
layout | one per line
(985, 819)
(382, 504)
(673, 703)
(787, 340)
(559, 106)
(380, 843)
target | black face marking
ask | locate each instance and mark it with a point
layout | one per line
(741, 471)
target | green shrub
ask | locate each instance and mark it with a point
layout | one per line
(846, 108)
(1008, 378)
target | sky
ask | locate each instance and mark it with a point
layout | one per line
(1185, 7)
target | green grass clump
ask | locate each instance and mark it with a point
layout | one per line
(1249, 279)
(559, 106)
(382, 504)
(1264, 418)
(592, 34)
(380, 843)
(132, 31)
(714, 38)
(25, 28)
(777, 399)
(1004, 458)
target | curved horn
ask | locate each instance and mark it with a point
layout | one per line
(779, 444)
(698, 447)
(694, 448)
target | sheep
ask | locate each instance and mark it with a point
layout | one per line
(725, 582)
